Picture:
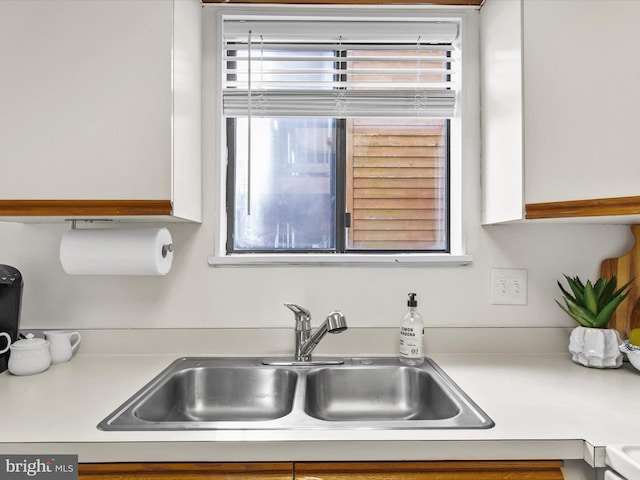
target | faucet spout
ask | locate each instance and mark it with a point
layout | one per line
(334, 323)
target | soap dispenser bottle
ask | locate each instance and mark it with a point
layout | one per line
(411, 333)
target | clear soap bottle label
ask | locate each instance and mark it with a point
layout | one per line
(411, 342)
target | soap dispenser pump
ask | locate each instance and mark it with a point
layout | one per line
(411, 334)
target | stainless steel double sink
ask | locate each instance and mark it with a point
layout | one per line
(211, 393)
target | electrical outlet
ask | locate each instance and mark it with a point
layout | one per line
(508, 286)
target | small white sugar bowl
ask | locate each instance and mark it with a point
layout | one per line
(29, 356)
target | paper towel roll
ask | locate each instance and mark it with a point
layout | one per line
(131, 251)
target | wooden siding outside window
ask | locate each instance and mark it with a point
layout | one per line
(396, 183)
(396, 175)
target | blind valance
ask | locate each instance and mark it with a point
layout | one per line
(340, 69)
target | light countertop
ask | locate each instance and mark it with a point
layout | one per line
(544, 407)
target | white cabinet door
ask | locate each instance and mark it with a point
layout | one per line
(99, 99)
(559, 108)
(502, 115)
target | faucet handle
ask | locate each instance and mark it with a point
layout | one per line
(303, 316)
(298, 310)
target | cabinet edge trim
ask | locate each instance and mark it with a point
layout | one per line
(88, 208)
(584, 208)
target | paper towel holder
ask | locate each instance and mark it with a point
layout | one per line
(74, 221)
(166, 249)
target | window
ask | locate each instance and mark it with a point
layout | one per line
(338, 135)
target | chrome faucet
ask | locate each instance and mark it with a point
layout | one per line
(306, 342)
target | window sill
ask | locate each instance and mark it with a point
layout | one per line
(343, 260)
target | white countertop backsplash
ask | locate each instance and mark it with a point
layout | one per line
(351, 342)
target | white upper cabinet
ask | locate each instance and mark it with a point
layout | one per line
(560, 103)
(100, 106)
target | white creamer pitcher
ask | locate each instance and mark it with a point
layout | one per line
(62, 344)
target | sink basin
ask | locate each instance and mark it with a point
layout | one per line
(214, 394)
(243, 393)
(387, 393)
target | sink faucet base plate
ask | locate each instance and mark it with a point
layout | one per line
(290, 361)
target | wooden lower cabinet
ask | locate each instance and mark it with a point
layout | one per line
(446, 470)
(449, 470)
(186, 471)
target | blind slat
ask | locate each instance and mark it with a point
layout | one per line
(334, 88)
(242, 45)
(232, 56)
(336, 71)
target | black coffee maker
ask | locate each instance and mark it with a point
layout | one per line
(10, 301)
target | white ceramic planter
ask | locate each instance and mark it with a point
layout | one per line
(595, 347)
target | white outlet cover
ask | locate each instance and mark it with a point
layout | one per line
(508, 286)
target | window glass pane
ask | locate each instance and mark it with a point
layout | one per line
(397, 184)
(291, 184)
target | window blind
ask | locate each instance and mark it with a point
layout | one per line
(340, 69)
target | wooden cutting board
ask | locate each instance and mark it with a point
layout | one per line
(626, 267)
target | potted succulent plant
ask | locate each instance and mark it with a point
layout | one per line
(592, 305)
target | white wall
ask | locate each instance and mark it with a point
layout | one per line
(195, 294)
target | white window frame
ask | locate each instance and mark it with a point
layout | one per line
(465, 127)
